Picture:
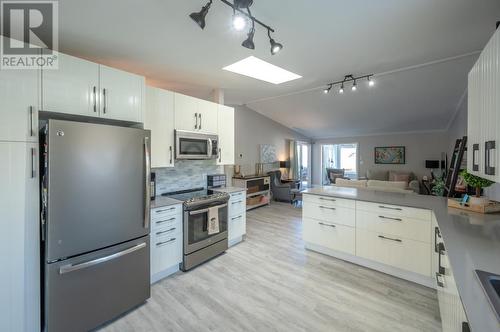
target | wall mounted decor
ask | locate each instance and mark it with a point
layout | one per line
(390, 155)
(268, 154)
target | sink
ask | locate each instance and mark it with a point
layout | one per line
(491, 286)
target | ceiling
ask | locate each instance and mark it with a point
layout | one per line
(323, 41)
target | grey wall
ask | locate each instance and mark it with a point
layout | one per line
(419, 147)
(458, 128)
(253, 129)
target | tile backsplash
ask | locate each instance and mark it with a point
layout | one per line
(186, 174)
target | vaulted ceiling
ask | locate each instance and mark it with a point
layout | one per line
(421, 49)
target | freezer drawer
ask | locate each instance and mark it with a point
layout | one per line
(84, 292)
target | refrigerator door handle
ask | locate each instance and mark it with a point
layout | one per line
(147, 181)
(70, 267)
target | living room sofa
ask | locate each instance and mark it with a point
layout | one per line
(395, 181)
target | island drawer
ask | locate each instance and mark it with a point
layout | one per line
(328, 213)
(401, 226)
(394, 210)
(329, 201)
(165, 212)
(405, 254)
(330, 235)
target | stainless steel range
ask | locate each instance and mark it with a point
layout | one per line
(205, 225)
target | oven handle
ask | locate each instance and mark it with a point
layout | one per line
(192, 213)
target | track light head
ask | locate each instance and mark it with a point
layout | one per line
(248, 43)
(242, 3)
(199, 17)
(327, 89)
(275, 47)
(239, 22)
(341, 90)
(354, 86)
(371, 82)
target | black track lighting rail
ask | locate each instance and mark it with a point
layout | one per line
(247, 15)
(350, 78)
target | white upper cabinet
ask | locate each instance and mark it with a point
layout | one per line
(484, 112)
(207, 116)
(73, 88)
(159, 118)
(19, 104)
(81, 87)
(195, 114)
(121, 94)
(226, 135)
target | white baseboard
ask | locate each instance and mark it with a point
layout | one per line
(407, 275)
(165, 273)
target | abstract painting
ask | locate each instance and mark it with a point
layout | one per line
(268, 154)
(390, 155)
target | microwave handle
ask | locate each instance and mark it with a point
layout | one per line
(210, 147)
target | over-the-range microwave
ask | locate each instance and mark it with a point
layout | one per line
(196, 145)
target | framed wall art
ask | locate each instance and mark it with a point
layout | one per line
(390, 155)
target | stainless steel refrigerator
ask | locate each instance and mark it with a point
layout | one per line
(95, 223)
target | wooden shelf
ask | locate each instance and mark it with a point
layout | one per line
(262, 182)
(264, 192)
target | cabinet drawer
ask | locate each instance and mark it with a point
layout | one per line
(237, 226)
(408, 228)
(394, 210)
(167, 222)
(401, 253)
(337, 215)
(163, 213)
(167, 230)
(165, 253)
(330, 201)
(330, 235)
(237, 205)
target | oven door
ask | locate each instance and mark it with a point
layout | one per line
(190, 145)
(196, 235)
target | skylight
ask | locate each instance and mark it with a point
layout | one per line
(261, 70)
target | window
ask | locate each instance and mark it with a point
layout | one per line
(339, 156)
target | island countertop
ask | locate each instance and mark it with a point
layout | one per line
(472, 243)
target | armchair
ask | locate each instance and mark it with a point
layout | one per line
(283, 192)
(334, 174)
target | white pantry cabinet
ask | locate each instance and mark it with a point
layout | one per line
(19, 104)
(193, 114)
(159, 118)
(226, 135)
(81, 87)
(484, 112)
(19, 238)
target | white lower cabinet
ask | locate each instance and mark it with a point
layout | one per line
(393, 239)
(166, 241)
(236, 225)
(19, 238)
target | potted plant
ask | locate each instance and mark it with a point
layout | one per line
(438, 188)
(478, 183)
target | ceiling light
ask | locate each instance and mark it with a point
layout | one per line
(327, 90)
(242, 3)
(370, 81)
(354, 86)
(199, 17)
(239, 22)
(248, 43)
(341, 90)
(261, 70)
(275, 47)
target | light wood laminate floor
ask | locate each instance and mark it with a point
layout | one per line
(271, 283)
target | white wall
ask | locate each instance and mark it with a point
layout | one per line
(419, 147)
(253, 129)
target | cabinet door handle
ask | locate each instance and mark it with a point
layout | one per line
(389, 238)
(95, 98)
(164, 221)
(441, 248)
(196, 119)
(165, 242)
(238, 202)
(439, 282)
(329, 225)
(328, 208)
(32, 131)
(220, 154)
(475, 157)
(164, 210)
(33, 165)
(104, 101)
(489, 169)
(390, 218)
(436, 235)
(390, 208)
(199, 115)
(238, 217)
(327, 199)
(171, 156)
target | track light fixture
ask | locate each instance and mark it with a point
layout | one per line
(199, 17)
(350, 78)
(240, 19)
(248, 43)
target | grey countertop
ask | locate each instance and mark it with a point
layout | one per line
(472, 243)
(229, 190)
(161, 201)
